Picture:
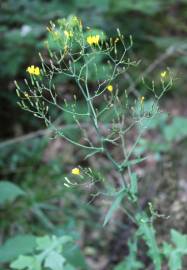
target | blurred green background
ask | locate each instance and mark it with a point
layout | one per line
(36, 163)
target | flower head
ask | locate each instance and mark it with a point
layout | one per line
(96, 39)
(89, 40)
(75, 171)
(110, 88)
(163, 74)
(37, 71)
(93, 40)
(32, 70)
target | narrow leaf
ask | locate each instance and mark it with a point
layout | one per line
(115, 205)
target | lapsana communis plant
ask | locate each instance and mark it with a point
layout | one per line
(81, 55)
(84, 55)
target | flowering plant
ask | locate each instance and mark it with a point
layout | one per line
(75, 56)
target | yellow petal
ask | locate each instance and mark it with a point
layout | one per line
(163, 74)
(97, 39)
(75, 171)
(89, 40)
(30, 70)
(37, 71)
(110, 88)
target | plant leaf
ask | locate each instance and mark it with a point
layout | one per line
(54, 261)
(177, 251)
(179, 239)
(22, 262)
(29, 262)
(9, 192)
(147, 231)
(115, 205)
(16, 246)
(43, 242)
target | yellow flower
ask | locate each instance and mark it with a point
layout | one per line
(96, 39)
(163, 74)
(142, 100)
(110, 88)
(75, 171)
(91, 40)
(37, 71)
(33, 70)
(30, 70)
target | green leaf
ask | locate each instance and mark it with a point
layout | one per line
(54, 261)
(174, 257)
(177, 251)
(16, 246)
(179, 239)
(115, 205)
(31, 263)
(22, 262)
(9, 192)
(147, 231)
(175, 261)
(43, 242)
(167, 248)
(46, 242)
